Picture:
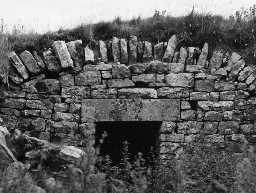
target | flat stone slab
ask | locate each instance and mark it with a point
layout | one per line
(130, 110)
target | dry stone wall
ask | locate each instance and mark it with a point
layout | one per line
(59, 95)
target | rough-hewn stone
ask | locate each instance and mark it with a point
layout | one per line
(48, 86)
(144, 78)
(203, 56)
(116, 49)
(119, 83)
(75, 50)
(138, 68)
(169, 52)
(18, 65)
(88, 78)
(61, 51)
(181, 79)
(123, 51)
(147, 53)
(30, 62)
(158, 51)
(88, 55)
(130, 110)
(120, 71)
(51, 61)
(216, 60)
(137, 93)
(103, 51)
(167, 92)
(133, 43)
(204, 85)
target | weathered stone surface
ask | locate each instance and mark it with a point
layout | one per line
(213, 116)
(195, 96)
(145, 93)
(130, 110)
(169, 52)
(168, 127)
(75, 50)
(36, 104)
(75, 92)
(120, 71)
(203, 56)
(144, 78)
(175, 67)
(147, 53)
(48, 86)
(189, 127)
(18, 65)
(234, 58)
(194, 68)
(88, 78)
(67, 80)
(167, 92)
(13, 103)
(227, 95)
(221, 72)
(183, 55)
(71, 154)
(204, 85)
(182, 79)
(103, 51)
(245, 73)
(247, 128)
(39, 60)
(210, 128)
(14, 76)
(176, 138)
(103, 93)
(176, 57)
(60, 116)
(38, 125)
(51, 61)
(216, 60)
(32, 113)
(157, 67)
(123, 51)
(185, 105)
(224, 86)
(159, 51)
(106, 74)
(191, 56)
(138, 68)
(210, 105)
(62, 53)
(75, 108)
(216, 138)
(60, 107)
(140, 51)
(64, 126)
(133, 43)
(30, 62)
(116, 49)
(119, 83)
(104, 67)
(236, 68)
(88, 55)
(228, 127)
(188, 115)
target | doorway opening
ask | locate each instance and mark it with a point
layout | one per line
(132, 137)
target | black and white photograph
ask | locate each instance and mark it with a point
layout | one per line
(128, 96)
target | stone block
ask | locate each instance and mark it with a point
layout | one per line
(48, 86)
(147, 53)
(133, 44)
(180, 80)
(119, 83)
(138, 68)
(116, 49)
(145, 93)
(18, 65)
(167, 92)
(169, 52)
(189, 127)
(67, 80)
(51, 61)
(213, 116)
(123, 51)
(30, 62)
(159, 51)
(204, 85)
(88, 78)
(228, 127)
(130, 110)
(62, 53)
(120, 71)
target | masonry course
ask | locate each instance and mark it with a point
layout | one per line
(67, 87)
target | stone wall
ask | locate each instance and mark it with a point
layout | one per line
(60, 94)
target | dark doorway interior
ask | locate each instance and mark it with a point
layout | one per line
(141, 137)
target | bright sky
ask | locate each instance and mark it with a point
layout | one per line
(45, 15)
